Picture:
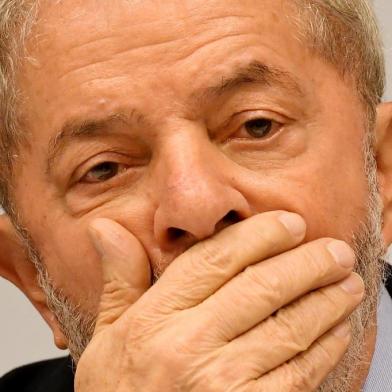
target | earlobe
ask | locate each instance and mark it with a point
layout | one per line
(16, 268)
(384, 164)
(59, 339)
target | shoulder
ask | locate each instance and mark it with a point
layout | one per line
(55, 375)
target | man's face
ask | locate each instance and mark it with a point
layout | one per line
(175, 119)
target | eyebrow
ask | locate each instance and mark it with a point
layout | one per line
(77, 128)
(253, 73)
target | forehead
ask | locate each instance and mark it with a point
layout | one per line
(101, 49)
(180, 18)
(88, 33)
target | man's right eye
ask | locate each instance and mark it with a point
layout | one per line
(103, 172)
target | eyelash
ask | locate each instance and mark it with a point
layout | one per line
(121, 169)
(272, 125)
(120, 159)
(242, 135)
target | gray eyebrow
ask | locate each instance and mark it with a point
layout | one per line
(254, 72)
(78, 128)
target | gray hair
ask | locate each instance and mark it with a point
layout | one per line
(346, 34)
(343, 32)
(16, 19)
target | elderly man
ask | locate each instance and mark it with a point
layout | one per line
(194, 182)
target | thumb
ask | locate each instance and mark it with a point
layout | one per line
(126, 272)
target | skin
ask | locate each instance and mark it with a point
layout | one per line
(183, 173)
(211, 334)
(186, 163)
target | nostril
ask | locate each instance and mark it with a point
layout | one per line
(229, 219)
(173, 233)
(232, 217)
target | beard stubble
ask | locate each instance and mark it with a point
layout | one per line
(78, 324)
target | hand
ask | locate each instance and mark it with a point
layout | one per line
(246, 310)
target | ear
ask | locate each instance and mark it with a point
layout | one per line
(384, 163)
(19, 270)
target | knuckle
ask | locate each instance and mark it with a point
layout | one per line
(224, 374)
(209, 254)
(186, 351)
(271, 287)
(270, 239)
(322, 355)
(292, 330)
(300, 376)
(187, 360)
(115, 287)
(333, 302)
(209, 251)
(216, 380)
(191, 342)
(169, 356)
(116, 295)
(266, 234)
(202, 265)
(138, 330)
(314, 256)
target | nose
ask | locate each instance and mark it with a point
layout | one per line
(196, 200)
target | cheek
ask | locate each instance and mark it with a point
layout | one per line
(70, 256)
(325, 183)
(71, 260)
(328, 209)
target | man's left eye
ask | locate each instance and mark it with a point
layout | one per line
(103, 172)
(259, 127)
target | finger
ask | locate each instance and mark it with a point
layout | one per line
(199, 272)
(126, 273)
(262, 289)
(294, 328)
(307, 371)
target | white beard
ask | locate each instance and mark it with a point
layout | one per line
(78, 325)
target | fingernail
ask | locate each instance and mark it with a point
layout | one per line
(294, 223)
(353, 284)
(342, 253)
(342, 330)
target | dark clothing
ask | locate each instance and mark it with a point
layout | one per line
(57, 375)
(388, 280)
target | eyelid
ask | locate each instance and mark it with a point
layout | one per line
(250, 115)
(108, 156)
(247, 116)
(122, 168)
(237, 120)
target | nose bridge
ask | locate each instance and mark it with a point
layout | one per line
(189, 167)
(195, 194)
(186, 159)
(191, 170)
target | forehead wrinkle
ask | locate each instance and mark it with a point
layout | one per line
(133, 42)
(252, 73)
(77, 128)
(111, 55)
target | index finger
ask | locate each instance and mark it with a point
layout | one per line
(207, 266)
